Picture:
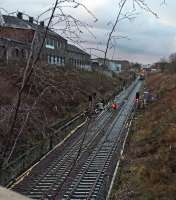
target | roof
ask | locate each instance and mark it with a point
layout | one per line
(122, 62)
(4, 40)
(15, 22)
(1, 19)
(75, 49)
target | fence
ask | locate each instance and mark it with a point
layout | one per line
(9, 173)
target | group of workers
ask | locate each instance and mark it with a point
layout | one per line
(114, 105)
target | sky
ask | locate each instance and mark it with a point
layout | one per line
(145, 39)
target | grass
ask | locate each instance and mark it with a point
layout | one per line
(148, 170)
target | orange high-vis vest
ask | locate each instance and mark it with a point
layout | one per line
(114, 106)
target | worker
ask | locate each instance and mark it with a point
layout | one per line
(137, 96)
(137, 100)
(114, 106)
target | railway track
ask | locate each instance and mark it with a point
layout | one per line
(39, 183)
(89, 181)
(61, 176)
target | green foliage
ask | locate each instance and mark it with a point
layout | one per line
(147, 196)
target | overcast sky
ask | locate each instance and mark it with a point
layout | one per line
(149, 38)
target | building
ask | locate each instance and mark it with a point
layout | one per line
(16, 36)
(13, 51)
(55, 49)
(125, 64)
(146, 66)
(99, 64)
(77, 57)
(116, 66)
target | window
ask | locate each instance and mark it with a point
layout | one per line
(2, 51)
(49, 43)
(16, 52)
(48, 59)
(52, 42)
(55, 43)
(51, 60)
(60, 60)
(77, 63)
(23, 53)
(58, 45)
(55, 60)
(63, 61)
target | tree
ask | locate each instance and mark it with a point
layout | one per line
(137, 65)
(172, 58)
(125, 16)
(172, 66)
(163, 64)
(72, 28)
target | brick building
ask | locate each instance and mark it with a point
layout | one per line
(16, 35)
(77, 57)
(15, 38)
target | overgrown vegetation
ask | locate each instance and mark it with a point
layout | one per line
(52, 94)
(148, 170)
(169, 65)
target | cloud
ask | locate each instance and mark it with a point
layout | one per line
(150, 38)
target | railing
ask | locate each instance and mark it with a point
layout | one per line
(57, 132)
(9, 173)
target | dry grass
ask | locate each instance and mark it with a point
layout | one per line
(66, 95)
(149, 168)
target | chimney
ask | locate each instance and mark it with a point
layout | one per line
(42, 23)
(31, 20)
(2, 22)
(20, 15)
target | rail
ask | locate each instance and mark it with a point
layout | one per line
(10, 172)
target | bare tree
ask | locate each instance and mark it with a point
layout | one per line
(172, 58)
(71, 27)
(56, 17)
(127, 16)
(171, 67)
